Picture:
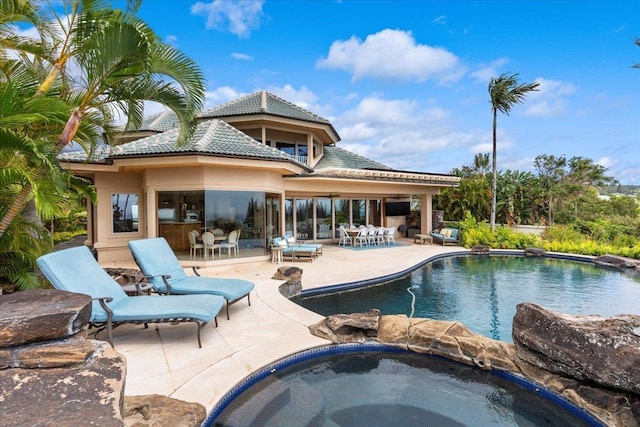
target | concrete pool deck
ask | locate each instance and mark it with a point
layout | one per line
(165, 359)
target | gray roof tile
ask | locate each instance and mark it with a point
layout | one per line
(160, 122)
(252, 104)
(214, 137)
(335, 157)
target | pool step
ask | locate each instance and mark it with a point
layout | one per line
(279, 404)
(306, 408)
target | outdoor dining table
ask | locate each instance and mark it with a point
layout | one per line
(353, 233)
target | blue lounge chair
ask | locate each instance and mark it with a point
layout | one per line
(293, 243)
(295, 253)
(76, 270)
(163, 270)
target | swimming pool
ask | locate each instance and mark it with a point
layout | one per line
(375, 385)
(483, 292)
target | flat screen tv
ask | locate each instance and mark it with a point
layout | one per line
(397, 208)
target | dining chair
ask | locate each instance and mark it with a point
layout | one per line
(231, 245)
(371, 235)
(209, 241)
(362, 236)
(389, 235)
(380, 240)
(345, 239)
(193, 244)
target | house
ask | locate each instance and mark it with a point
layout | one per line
(259, 164)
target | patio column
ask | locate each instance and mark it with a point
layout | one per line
(310, 159)
(426, 213)
(151, 205)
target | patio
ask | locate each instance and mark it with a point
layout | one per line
(167, 361)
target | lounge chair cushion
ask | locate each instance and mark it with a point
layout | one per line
(76, 270)
(155, 258)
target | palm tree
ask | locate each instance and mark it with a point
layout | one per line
(505, 92)
(120, 63)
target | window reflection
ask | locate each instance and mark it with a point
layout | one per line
(304, 219)
(323, 218)
(124, 212)
(220, 212)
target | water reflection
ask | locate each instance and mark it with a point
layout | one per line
(483, 292)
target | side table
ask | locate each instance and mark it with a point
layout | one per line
(276, 254)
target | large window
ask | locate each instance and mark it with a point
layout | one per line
(300, 151)
(124, 212)
(304, 219)
(180, 212)
(358, 212)
(323, 218)
(374, 213)
(273, 217)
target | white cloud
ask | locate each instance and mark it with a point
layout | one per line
(442, 19)
(392, 55)
(221, 95)
(241, 56)
(404, 134)
(606, 162)
(484, 74)
(171, 40)
(303, 98)
(238, 17)
(551, 98)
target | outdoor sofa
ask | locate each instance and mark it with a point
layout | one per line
(446, 235)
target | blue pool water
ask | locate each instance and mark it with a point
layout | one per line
(362, 385)
(483, 292)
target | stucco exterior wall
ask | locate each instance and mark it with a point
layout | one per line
(112, 247)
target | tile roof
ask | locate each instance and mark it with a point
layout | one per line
(335, 157)
(79, 155)
(263, 103)
(160, 122)
(214, 137)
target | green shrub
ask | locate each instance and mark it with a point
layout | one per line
(558, 238)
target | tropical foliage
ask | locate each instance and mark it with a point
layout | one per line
(87, 63)
(564, 193)
(505, 92)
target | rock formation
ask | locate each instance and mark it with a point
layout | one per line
(580, 346)
(613, 406)
(293, 277)
(52, 375)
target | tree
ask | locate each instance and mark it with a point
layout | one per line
(120, 63)
(505, 92)
(550, 172)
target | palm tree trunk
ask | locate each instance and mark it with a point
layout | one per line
(23, 197)
(494, 180)
(15, 209)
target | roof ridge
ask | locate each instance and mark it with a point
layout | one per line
(208, 135)
(158, 117)
(295, 106)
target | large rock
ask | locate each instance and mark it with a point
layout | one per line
(293, 277)
(343, 328)
(51, 375)
(49, 354)
(157, 411)
(41, 315)
(86, 394)
(591, 348)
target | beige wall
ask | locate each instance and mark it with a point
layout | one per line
(109, 245)
(112, 247)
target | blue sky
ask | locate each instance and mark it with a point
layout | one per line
(405, 82)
